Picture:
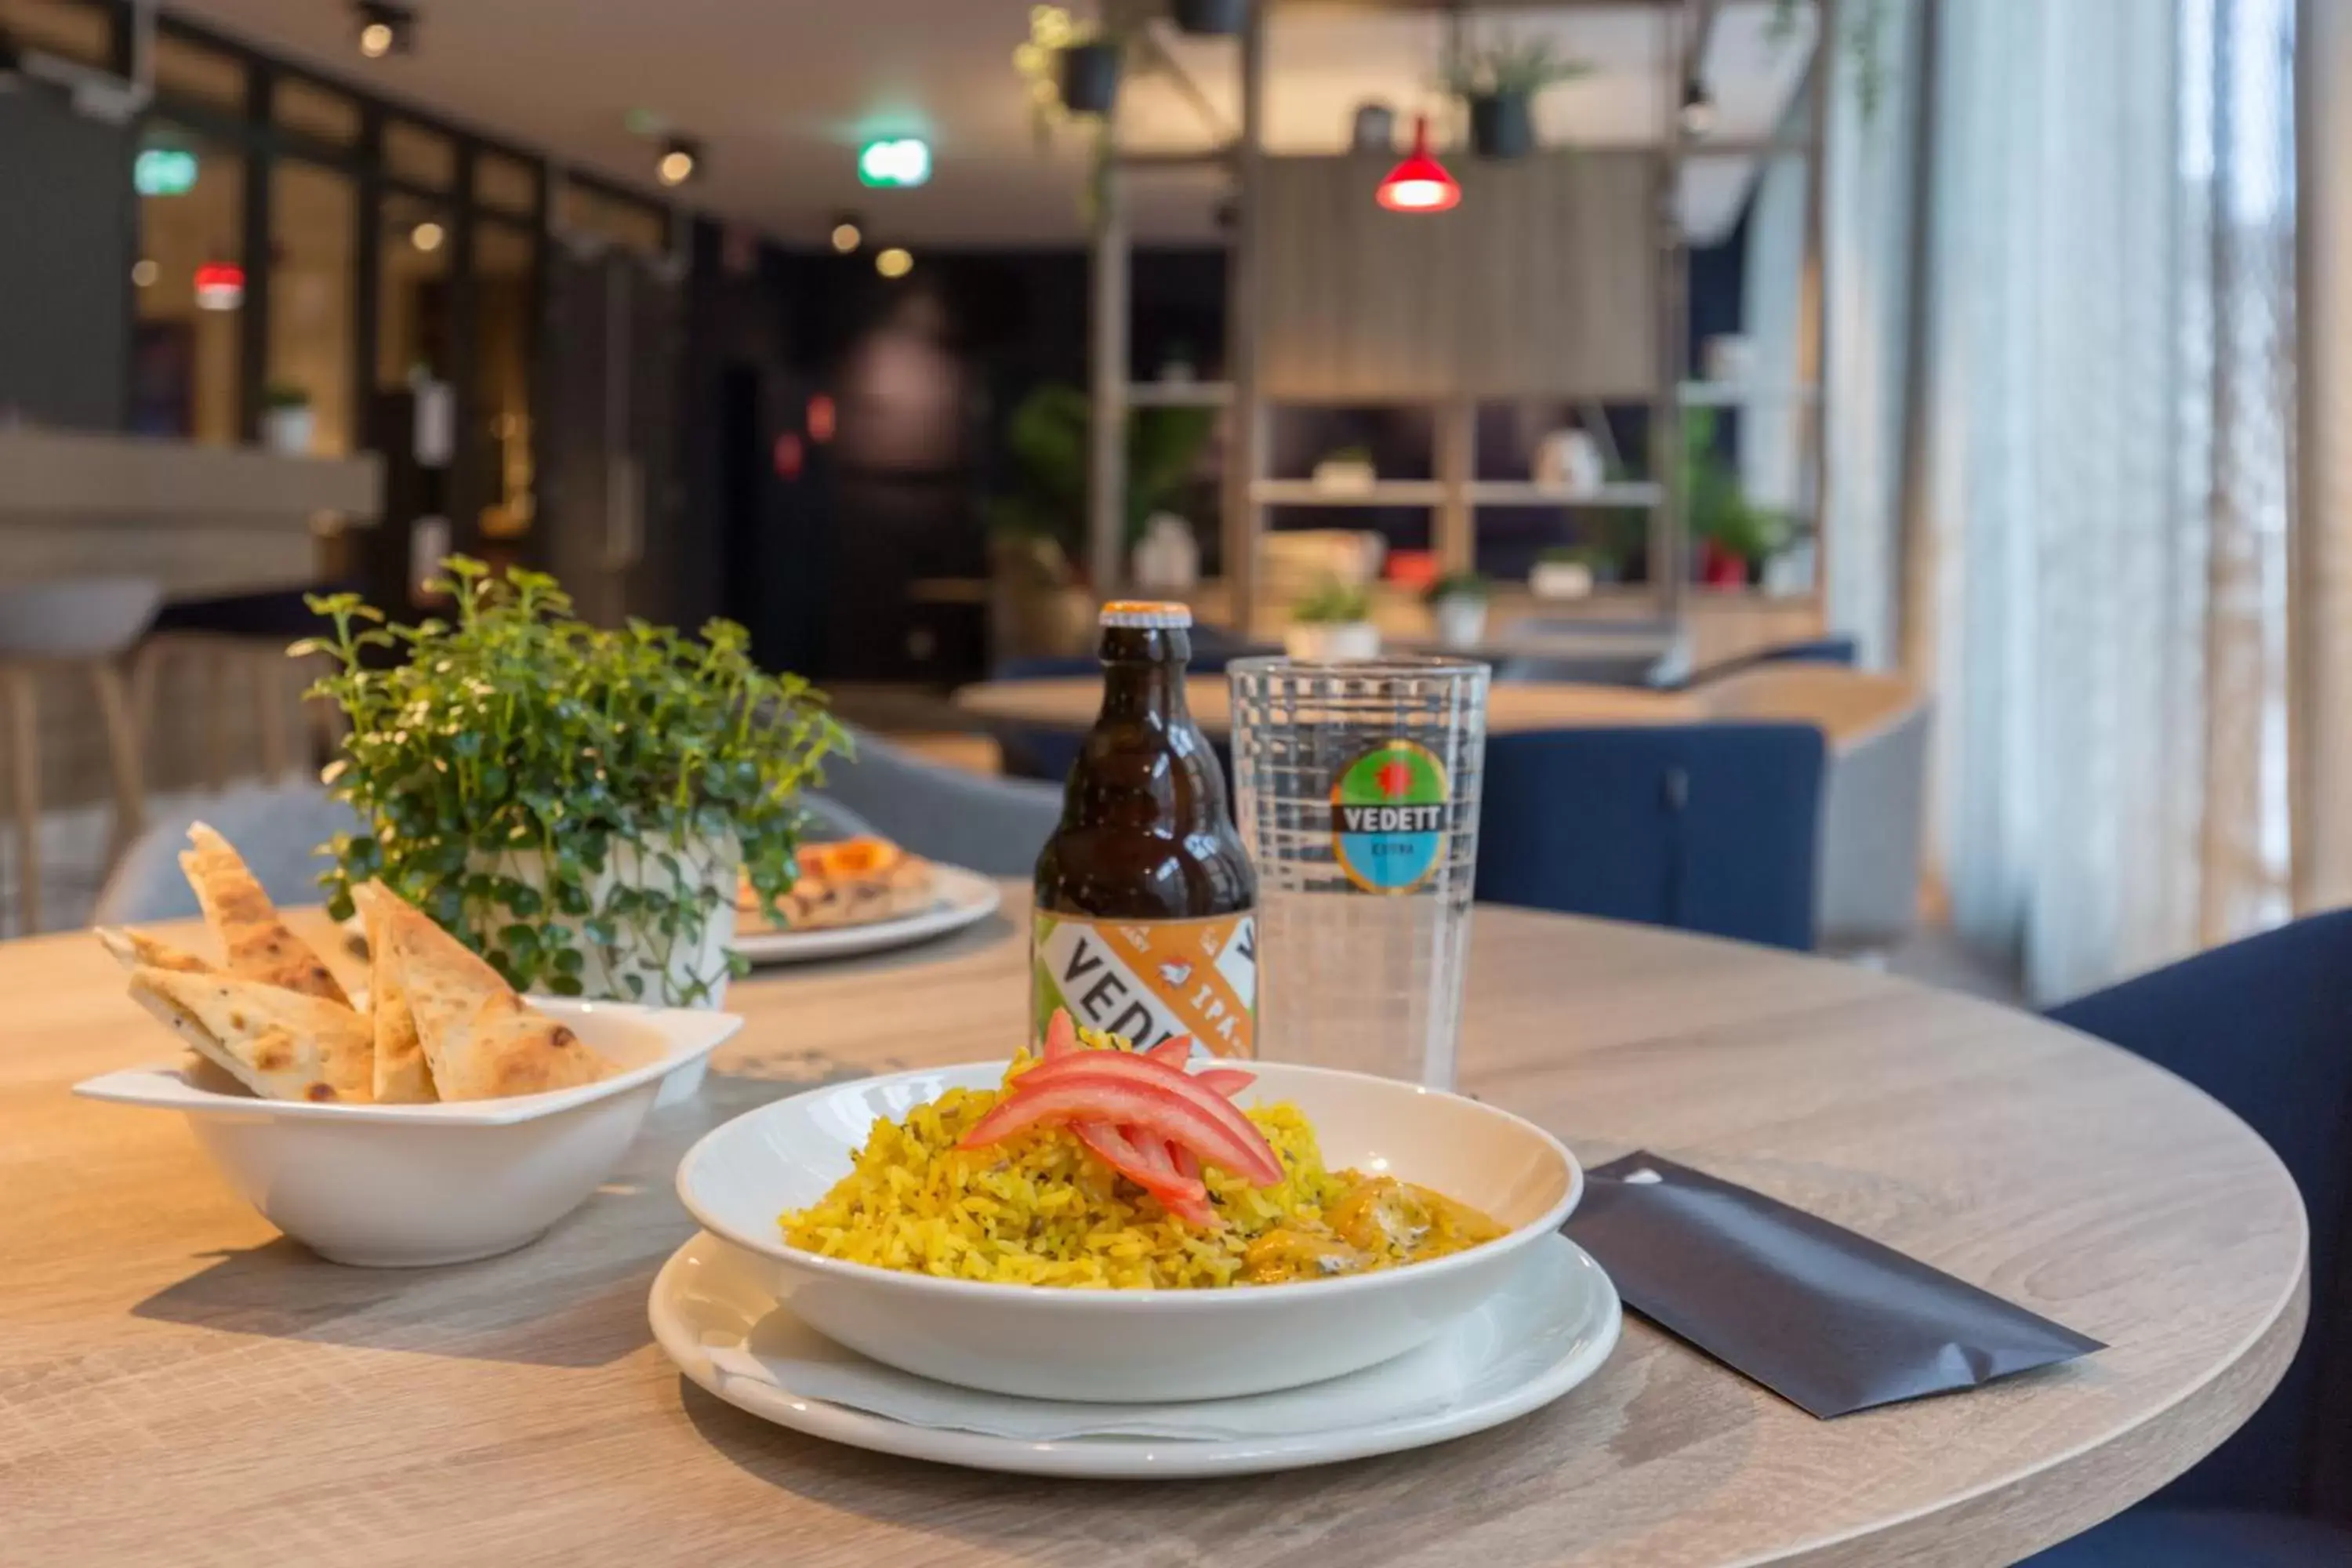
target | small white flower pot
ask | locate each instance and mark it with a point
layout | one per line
(1323, 641)
(1560, 580)
(1346, 477)
(665, 966)
(1460, 620)
(288, 431)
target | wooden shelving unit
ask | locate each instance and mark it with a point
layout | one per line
(1559, 279)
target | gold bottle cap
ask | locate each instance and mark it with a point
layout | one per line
(1146, 613)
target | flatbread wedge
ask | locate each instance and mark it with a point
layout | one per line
(279, 1044)
(134, 949)
(481, 1041)
(256, 942)
(402, 1075)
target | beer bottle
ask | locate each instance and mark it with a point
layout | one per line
(1146, 911)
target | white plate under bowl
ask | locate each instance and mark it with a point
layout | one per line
(1551, 1326)
(960, 897)
(407, 1186)
(1052, 1343)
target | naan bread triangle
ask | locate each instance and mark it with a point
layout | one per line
(402, 1074)
(482, 1041)
(134, 949)
(280, 1044)
(254, 941)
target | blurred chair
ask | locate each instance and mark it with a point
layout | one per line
(993, 825)
(1590, 650)
(1703, 828)
(240, 642)
(1634, 666)
(2263, 1025)
(1873, 795)
(279, 828)
(81, 625)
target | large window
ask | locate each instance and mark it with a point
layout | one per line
(313, 260)
(189, 283)
(506, 287)
(412, 341)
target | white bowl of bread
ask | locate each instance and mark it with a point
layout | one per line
(451, 1119)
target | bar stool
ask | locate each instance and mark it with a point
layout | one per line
(239, 639)
(84, 623)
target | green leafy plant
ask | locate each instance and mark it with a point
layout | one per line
(570, 801)
(1509, 68)
(1048, 436)
(1718, 509)
(1333, 602)
(283, 394)
(1458, 585)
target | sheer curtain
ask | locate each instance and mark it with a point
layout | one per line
(2097, 546)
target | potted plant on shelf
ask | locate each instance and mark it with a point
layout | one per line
(1457, 607)
(1570, 571)
(287, 422)
(1209, 19)
(575, 803)
(1348, 471)
(1332, 621)
(1088, 69)
(1735, 535)
(1500, 83)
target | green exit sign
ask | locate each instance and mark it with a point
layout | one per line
(897, 161)
(164, 171)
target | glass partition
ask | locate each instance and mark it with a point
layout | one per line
(189, 283)
(312, 214)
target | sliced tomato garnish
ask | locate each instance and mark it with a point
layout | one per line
(1227, 1081)
(1140, 1107)
(1183, 1159)
(1061, 1035)
(1175, 1050)
(1144, 1162)
(1260, 1165)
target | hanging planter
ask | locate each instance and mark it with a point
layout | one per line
(1090, 77)
(1209, 19)
(1501, 125)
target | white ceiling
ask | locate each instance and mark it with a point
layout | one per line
(782, 91)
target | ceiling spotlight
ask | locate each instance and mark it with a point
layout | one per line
(847, 233)
(427, 236)
(385, 28)
(1698, 109)
(681, 160)
(893, 262)
(143, 272)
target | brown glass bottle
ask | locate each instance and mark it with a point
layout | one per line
(1146, 902)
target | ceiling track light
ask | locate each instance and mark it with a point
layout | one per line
(385, 28)
(680, 161)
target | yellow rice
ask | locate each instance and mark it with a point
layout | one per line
(1040, 1209)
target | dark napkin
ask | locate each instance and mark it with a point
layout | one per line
(1828, 1319)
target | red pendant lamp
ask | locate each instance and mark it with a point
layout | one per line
(1420, 183)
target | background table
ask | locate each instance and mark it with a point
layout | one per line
(1070, 702)
(178, 1385)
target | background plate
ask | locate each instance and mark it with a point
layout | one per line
(961, 897)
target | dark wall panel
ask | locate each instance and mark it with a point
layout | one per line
(65, 263)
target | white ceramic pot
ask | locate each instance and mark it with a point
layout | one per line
(1168, 558)
(1460, 620)
(666, 968)
(1560, 580)
(288, 431)
(1049, 1343)
(1346, 475)
(1323, 641)
(1571, 460)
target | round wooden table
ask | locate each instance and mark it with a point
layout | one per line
(1070, 703)
(179, 1384)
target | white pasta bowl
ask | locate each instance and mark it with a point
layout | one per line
(395, 1186)
(1113, 1345)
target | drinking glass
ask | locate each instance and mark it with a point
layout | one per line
(1355, 791)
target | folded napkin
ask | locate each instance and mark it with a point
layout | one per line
(1829, 1321)
(787, 1354)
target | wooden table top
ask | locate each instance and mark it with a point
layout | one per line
(1070, 702)
(179, 1384)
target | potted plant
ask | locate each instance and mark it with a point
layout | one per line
(1500, 83)
(1332, 621)
(1209, 19)
(287, 422)
(1348, 471)
(1457, 607)
(1037, 604)
(1088, 69)
(575, 803)
(1735, 535)
(1570, 571)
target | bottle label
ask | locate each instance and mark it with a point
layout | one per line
(1148, 980)
(1388, 812)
